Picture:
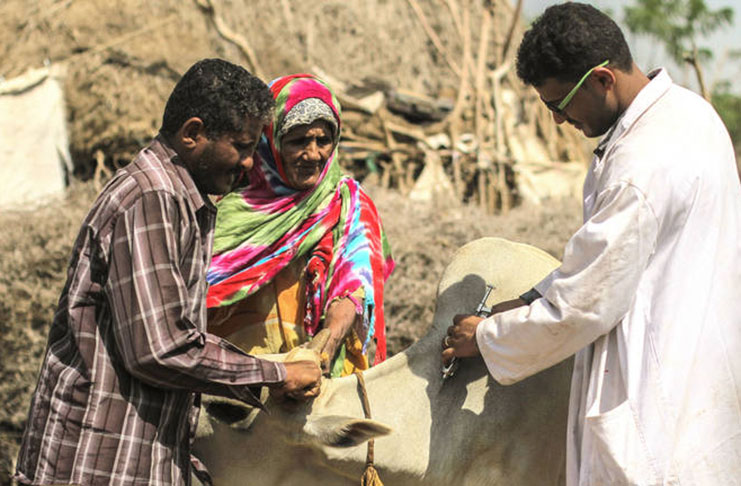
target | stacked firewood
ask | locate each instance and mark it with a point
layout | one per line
(486, 140)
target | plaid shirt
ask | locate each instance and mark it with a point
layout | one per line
(114, 403)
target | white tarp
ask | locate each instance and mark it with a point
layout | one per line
(34, 147)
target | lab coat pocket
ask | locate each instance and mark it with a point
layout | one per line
(619, 455)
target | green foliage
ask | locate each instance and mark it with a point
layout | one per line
(677, 24)
(728, 106)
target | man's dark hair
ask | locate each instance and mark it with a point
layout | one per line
(221, 94)
(567, 41)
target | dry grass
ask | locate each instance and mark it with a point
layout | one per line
(36, 246)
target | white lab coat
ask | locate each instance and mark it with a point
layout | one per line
(649, 298)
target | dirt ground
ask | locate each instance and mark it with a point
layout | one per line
(35, 248)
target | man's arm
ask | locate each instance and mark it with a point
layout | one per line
(154, 335)
(584, 298)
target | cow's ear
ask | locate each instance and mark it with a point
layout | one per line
(339, 431)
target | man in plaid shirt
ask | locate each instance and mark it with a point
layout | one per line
(128, 355)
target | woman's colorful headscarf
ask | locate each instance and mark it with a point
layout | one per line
(261, 228)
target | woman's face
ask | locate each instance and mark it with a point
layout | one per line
(305, 150)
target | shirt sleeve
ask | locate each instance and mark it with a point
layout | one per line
(155, 337)
(584, 298)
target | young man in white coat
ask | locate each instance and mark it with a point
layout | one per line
(649, 293)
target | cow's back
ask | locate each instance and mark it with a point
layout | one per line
(468, 430)
(512, 434)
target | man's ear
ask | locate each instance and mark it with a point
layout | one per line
(191, 133)
(605, 78)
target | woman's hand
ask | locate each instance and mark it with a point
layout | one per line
(341, 316)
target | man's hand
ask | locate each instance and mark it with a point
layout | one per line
(460, 340)
(303, 381)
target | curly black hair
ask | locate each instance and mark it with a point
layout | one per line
(223, 95)
(566, 41)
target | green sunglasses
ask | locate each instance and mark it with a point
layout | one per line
(558, 108)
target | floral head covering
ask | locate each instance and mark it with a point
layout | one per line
(307, 112)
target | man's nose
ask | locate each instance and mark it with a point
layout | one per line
(558, 118)
(248, 161)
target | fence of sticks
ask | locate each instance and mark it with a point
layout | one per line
(482, 142)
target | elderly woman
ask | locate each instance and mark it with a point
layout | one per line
(300, 247)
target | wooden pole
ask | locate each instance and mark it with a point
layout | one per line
(398, 166)
(511, 30)
(211, 8)
(455, 14)
(480, 70)
(434, 38)
(481, 186)
(455, 117)
(504, 190)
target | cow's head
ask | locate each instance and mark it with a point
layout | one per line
(324, 430)
(302, 424)
(239, 441)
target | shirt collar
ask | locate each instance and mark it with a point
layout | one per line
(659, 83)
(164, 151)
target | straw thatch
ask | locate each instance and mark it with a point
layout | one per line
(414, 75)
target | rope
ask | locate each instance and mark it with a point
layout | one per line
(286, 344)
(370, 475)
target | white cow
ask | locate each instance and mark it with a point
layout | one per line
(467, 430)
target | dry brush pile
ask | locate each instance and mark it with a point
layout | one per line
(424, 84)
(34, 252)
